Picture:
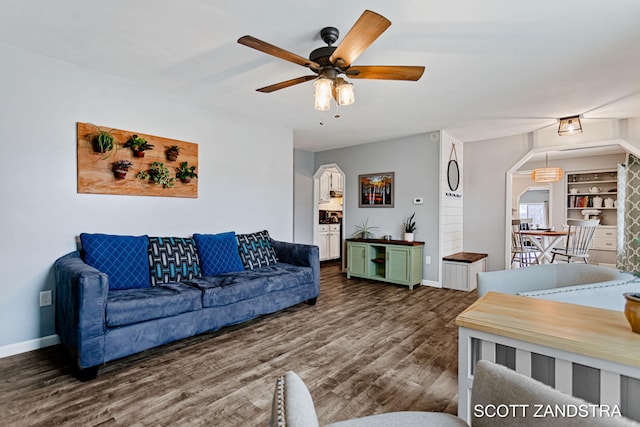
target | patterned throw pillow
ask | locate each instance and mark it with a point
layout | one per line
(172, 259)
(256, 250)
(122, 258)
(218, 253)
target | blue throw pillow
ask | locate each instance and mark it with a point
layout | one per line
(218, 253)
(122, 258)
(172, 259)
(256, 250)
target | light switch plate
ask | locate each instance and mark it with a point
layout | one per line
(418, 200)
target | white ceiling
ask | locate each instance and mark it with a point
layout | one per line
(493, 67)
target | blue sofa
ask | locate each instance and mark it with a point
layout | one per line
(105, 312)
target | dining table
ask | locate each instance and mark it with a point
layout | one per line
(544, 241)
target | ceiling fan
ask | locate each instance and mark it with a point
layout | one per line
(330, 62)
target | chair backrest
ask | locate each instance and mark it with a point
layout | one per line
(517, 241)
(580, 236)
(292, 403)
(497, 386)
(493, 384)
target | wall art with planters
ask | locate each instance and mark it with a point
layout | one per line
(115, 161)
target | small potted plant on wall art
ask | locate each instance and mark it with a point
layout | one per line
(103, 142)
(172, 153)
(409, 227)
(138, 145)
(120, 168)
(158, 174)
(185, 172)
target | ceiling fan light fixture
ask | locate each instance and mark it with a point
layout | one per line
(344, 92)
(569, 125)
(323, 90)
(546, 174)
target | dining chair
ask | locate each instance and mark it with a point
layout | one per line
(522, 250)
(578, 241)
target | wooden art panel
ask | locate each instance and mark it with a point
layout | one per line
(96, 173)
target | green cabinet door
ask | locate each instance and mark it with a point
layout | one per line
(357, 260)
(398, 265)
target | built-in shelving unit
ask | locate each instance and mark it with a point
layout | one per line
(596, 191)
(593, 191)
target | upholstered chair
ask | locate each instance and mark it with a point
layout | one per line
(492, 385)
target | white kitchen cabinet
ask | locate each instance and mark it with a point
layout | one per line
(323, 241)
(334, 241)
(337, 182)
(329, 241)
(325, 187)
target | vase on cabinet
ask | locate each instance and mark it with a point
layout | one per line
(597, 202)
(408, 237)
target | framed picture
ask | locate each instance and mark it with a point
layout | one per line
(376, 190)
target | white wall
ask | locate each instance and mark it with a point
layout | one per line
(452, 213)
(245, 176)
(486, 163)
(415, 161)
(303, 193)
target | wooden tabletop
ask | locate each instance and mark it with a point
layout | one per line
(594, 332)
(386, 242)
(468, 257)
(543, 233)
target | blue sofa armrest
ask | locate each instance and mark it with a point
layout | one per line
(81, 298)
(302, 255)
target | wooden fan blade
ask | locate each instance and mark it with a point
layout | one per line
(364, 32)
(385, 72)
(270, 49)
(282, 85)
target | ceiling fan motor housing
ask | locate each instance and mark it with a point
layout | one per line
(329, 35)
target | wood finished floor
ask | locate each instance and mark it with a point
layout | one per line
(365, 348)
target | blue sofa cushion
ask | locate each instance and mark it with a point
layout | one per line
(122, 258)
(125, 307)
(256, 250)
(218, 253)
(172, 259)
(229, 288)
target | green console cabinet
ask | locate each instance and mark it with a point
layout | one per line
(393, 261)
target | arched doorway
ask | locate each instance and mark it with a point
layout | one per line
(329, 211)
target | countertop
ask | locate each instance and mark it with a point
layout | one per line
(594, 332)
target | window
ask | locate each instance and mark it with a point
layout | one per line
(537, 212)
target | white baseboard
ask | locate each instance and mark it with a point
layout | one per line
(431, 283)
(24, 346)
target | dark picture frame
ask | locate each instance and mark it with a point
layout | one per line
(376, 190)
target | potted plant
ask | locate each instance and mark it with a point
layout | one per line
(120, 168)
(409, 227)
(185, 172)
(172, 153)
(158, 174)
(364, 231)
(138, 145)
(103, 141)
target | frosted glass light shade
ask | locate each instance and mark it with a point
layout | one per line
(345, 93)
(323, 91)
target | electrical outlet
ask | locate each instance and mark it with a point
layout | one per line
(427, 259)
(45, 298)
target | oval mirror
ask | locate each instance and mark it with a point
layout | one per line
(453, 175)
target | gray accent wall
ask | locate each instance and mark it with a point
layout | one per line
(415, 161)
